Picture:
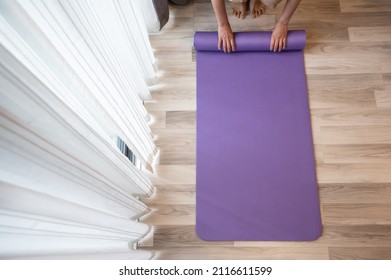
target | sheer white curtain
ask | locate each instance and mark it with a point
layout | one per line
(73, 74)
(150, 15)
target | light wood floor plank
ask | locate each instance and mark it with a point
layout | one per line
(323, 64)
(353, 173)
(386, 66)
(387, 79)
(181, 119)
(344, 91)
(355, 193)
(174, 174)
(322, 7)
(171, 105)
(176, 188)
(348, 153)
(342, 50)
(177, 146)
(358, 19)
(179, 91)
(370, 34)
(363, 82)
(375, 134)
(352, 116)
(359, 253)
(162, 214)
(383, 98)
(357, 214)
(177, 155)
(171, 197)
(365, 6)
(330, 98)
(169, 43)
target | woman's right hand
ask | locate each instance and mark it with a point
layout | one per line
(226, 38)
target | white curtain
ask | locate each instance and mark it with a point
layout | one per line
(150, 16)
(73, 74)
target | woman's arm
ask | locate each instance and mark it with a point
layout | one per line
(226, 36)
(278, 40)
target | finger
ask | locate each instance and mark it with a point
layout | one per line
(233, 44)
(272, 44)
(280, 45)
(275, 45)
(284, 43)
(228, 46)
(219, 43)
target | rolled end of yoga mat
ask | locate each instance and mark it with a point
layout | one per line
(249, 41)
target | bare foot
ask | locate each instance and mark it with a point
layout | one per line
(239, 9)
(257, 8)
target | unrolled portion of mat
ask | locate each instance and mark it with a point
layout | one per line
(256, 175)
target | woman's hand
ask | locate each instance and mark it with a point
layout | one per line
(226, 38)
(278, 40)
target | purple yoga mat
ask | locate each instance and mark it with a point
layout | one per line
(256, 175)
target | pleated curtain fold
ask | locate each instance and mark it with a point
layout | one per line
(73, 77)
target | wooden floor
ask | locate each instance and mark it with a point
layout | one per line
(348, 64)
